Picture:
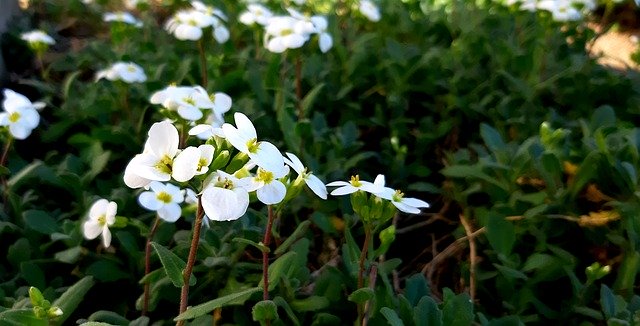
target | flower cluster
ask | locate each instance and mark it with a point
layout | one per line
(20, 115)
(226, 182)
(561, 10)
(127, 72)
(188, 24)
(290, 31)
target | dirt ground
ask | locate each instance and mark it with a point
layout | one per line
(614, 48)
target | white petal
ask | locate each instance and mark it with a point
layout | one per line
(225, 205)
(222, 102)
(131, 178)
(317, 186)
(98, 208)
(31, 118)
(245, 126)
(338, 184)
(272, 193)
(221, 34)
(190, 113)
(19, 131)
(414, 202)
(170, 212)
(106, 237)
(91, 229)
(112, 209)
(268, 157)
(344, 190)
(325, 42)
(149, 200)
(235, 137)
(186, 164)
(163, 139)
(405, 208)
(294, 162)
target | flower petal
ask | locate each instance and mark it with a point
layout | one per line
(91, 229)
(186, 164)
(170, 212)
(272, 193)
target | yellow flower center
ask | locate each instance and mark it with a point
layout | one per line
(164, 197)
(264, 176)
(286, 31)
(202, 163)
(355, 180)
(192, 22)
(397, 196)
(14, 117)
(165, 165)
(131, 69)
(102, 220)
(252, 145)
(189, 100)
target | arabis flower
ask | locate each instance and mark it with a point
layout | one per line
(122, 17)
(407, 205)
(269, 189)
(127, 72)
(369, 10)
(244, 139)
(315, 184)
(37, 39)
(101, 215)
(20, 114)
(164, 199)
(284, 32)
(355, 184)
(161, 159)
(255, 14)
(226, 197)
(188, 101)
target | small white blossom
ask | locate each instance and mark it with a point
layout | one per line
(369, 10)
(226, 197)
(244, 138)
(355, 184)
(314, 183)
(269, 189)
(255, 14)
(407, 205)
(37, 37)
(284, 32)
(127, 72)
(188, 101)
(20, 114)
(102, 214)
(165, 199)
(122, 17)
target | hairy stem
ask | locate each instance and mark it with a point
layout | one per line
(184, 295)
(3, 162)
(265, 257)
(147, 265)
(363, 257)
(203, 63)
(473, 260)
(299, 88)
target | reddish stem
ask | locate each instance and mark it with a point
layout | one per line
(184, 295)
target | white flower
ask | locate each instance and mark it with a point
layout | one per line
(208, 10)
(122, 17)
(37, 36)
(226, 197)
(20, 114)
(255, 14)
(244, 139)
(102, 214)
(127, 72)
(188, 24)
(161, 159)
(355, 184)
(314, 183)
(220, 33)
(185, 99)
(561, 10)
(192, 161)
(164, 199)
(407, 205)
(268, 188)
(369, 10)
(284, 32)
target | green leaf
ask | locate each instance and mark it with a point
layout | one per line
(311, 303)
(237, 298)
(95, 323)
(106, 271)
(108, 317)
(426, 313)
(310, 98)
(362, 295)
(264, 310)
(500, 233)
(20, 317)
(510, 272)
(71, 298)
(298, 233)
(70, 255)
(416, 288)
(607, 301)
(172, 264)
(257, 245)
(491, 137)
(19, 252)
(457, 309)
(280, 268)
(281, 302)
(40, 221)
(391, 316)
(140, 321)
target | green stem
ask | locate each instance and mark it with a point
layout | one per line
(184, 295)
(203, 63)
(147, 265)
(3, 161)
